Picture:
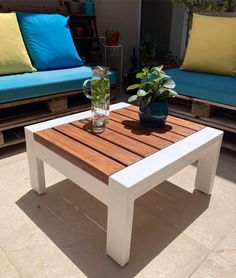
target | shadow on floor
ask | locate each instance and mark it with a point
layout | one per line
(76, 222)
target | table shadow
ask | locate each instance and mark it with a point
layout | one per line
(76, 222)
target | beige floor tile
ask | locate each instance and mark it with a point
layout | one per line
(178, 259)
(204, 218)
(226, 248)
(7, 269)
(215, 266)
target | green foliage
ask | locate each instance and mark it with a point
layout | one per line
(148, 49)
(154, 86)
(111, 33)
(100, 90)
(207, 5)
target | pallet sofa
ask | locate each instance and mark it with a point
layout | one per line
(55, 89)
(206, 82)
(206, 98)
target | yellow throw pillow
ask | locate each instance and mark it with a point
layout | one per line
(212, 45)
(13, 55)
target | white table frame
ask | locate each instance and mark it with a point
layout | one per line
(130, 183)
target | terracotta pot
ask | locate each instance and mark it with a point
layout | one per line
(115, 40)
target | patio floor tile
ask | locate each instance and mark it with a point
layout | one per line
(7, 269)
(215, 267)
(226, 248)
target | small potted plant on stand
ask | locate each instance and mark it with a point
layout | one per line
(112, 37)
(153, 92)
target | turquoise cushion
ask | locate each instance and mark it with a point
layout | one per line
(36, 84)
(212, 87)
(48, 41)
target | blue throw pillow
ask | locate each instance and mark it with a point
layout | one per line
(48, 41)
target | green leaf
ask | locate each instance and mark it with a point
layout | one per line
(172, 93)
(133, 98)
(134, 86)
(157, 69)
(141, 93)
(140, 75)
(169, 84)
(164, 76)
(146, 101)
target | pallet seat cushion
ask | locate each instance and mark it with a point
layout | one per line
(30, 85)
(13, 55)
(49, 41)
(211, 87)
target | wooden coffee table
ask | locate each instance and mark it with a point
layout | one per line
(123, 163)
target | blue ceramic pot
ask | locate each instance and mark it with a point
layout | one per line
(89, 7)
(154, 114)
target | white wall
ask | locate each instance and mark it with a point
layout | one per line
(178, 31)
(125, 15)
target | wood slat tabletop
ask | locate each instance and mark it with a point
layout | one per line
(123, 143)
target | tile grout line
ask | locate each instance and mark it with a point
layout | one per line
(207, 255)
(200, 263)
(10, 261)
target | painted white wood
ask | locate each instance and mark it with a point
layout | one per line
(36, 166)
(206, 169)
(80, 177)
(143, 175)
(119, 226)
(130, 183)
(70, 118)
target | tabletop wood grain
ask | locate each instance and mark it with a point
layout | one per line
(123, 143)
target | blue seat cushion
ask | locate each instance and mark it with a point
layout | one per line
(211, 87)
(36, 84)
(48, 41)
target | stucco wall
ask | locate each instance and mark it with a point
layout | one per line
(124, 15)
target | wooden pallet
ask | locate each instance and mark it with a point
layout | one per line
(14, 116)
(208, 113)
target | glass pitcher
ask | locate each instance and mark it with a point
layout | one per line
(100, 97)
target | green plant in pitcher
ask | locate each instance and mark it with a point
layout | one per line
(100, 91)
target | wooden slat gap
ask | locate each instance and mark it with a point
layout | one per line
(153, 133)
(182, 133)
(95, 149)
(151, 149)
(68, 154)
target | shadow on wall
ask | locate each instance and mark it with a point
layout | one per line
(76, 222)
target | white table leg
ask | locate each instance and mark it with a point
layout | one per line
(119, 227)
(36, 166)
(206, 169)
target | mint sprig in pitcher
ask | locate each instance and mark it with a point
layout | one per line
(100, 97)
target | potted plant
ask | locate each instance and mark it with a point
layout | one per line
(148, 51)
(153, 91)
(112, 37)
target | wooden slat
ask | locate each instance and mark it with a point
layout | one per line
(175, 120)
(171, 126)
(108, 149)
(138, 135)
(86, 158)
(120, 140)
(163, 133)
(185, 123)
